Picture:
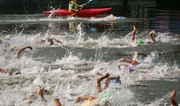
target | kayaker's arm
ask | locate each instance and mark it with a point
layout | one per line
(73, 10)
(82, 5)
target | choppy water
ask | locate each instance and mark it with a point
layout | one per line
(85, 51)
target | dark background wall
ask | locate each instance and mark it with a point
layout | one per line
(120, 7)
(168, 4)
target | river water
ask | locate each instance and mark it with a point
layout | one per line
(89, 45)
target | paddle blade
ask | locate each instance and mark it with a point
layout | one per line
(89, 1)
(52, 12)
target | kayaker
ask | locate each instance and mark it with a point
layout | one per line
(73, 6)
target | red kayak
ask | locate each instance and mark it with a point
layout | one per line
(80, 13)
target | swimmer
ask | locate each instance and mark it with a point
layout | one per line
(133, 61)
(18, 53)
(98, 83)
(2, 70)
(173, 98)
(111, 79)
(130, 61)
(10, 71)
(43, 38)
(139, 42)
(98, 87)
(52, 40)
(138, 58)
(37, 94)
(151, 36)
(111, 17)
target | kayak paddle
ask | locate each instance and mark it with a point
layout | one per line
(52, 12)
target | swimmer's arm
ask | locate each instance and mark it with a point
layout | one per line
(57, 41)
(133, 34)
(140, 53)
(21, 50)
(40, 94)
(151, 36)
(57, 102)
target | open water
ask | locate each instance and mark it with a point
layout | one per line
(88, 46)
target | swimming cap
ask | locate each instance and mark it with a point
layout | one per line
(104, 96)
(131, 69)
(13, 47)
(140, 42)
(121, 17)
(93, 29)
(116, 81)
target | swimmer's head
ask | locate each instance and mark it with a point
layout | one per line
(154, 32)
(104, 96)
(117, 81)
(140, 42)
(93, 29)
(14, 71)
(13, 47)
